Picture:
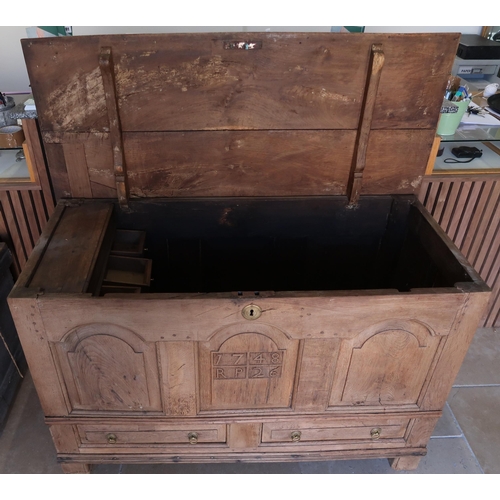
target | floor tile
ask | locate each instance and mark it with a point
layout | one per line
(107, 469)
(481, 365)
(251, 468)
(26, 445)
(477, 411)
(447, 425)
(444, 456)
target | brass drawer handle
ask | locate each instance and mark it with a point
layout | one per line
(193, 437)
(375, 433)
(295, 435)
(112, 439)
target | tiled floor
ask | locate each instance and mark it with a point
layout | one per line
(466, 439)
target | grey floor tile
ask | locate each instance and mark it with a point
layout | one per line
(250, 468)
(481, 365)
(444, 456)
(448, 456)
(477, 411)
(107, 469)
(26, 445)
(447, 425)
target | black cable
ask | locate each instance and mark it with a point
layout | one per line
(452, 160)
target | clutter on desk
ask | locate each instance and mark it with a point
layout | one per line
(455, 90)
(490, 90)
(6, 105)
(477, 115)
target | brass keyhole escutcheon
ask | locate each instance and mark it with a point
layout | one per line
(375, 433)
(251, 312)
(295, 435)
(111, 438)
(193, 437)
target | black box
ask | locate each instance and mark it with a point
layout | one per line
(477, 47)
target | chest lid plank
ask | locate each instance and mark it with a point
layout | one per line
(230, 114)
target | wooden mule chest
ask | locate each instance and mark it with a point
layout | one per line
(238, 268)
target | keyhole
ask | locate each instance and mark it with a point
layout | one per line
(251, 311)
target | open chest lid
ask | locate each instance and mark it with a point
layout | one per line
(238, 114)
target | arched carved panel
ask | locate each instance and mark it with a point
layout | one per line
(109, 368)
(247, 367)
(387, 365)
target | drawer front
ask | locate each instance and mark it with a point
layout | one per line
(153, 434)
(337, 430)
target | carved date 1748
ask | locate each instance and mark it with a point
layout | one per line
(246, 365)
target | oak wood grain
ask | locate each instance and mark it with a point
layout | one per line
(76, 245)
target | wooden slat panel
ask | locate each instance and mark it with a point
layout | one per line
(465, 189)
(492, 263)
(493, 309)
(468, 212)
(282, 163)
(39, 208)
(490, 238)
(432, 196)
(424, 191)
(6, 238)
(30, 211)
(15, 235)
(449, 209)
(78, 174)
(477, 217)
(19, 212)
(484, 224)
(441, 201)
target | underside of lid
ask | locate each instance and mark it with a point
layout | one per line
(233, 114)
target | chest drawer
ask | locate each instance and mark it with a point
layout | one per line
(115, 435)
(336, 430)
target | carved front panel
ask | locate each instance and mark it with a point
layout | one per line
(247, 369)
(109, 368)
(386, 365)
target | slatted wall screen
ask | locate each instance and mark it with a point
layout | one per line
(23, 215)
(468, 211)
(24, 210)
